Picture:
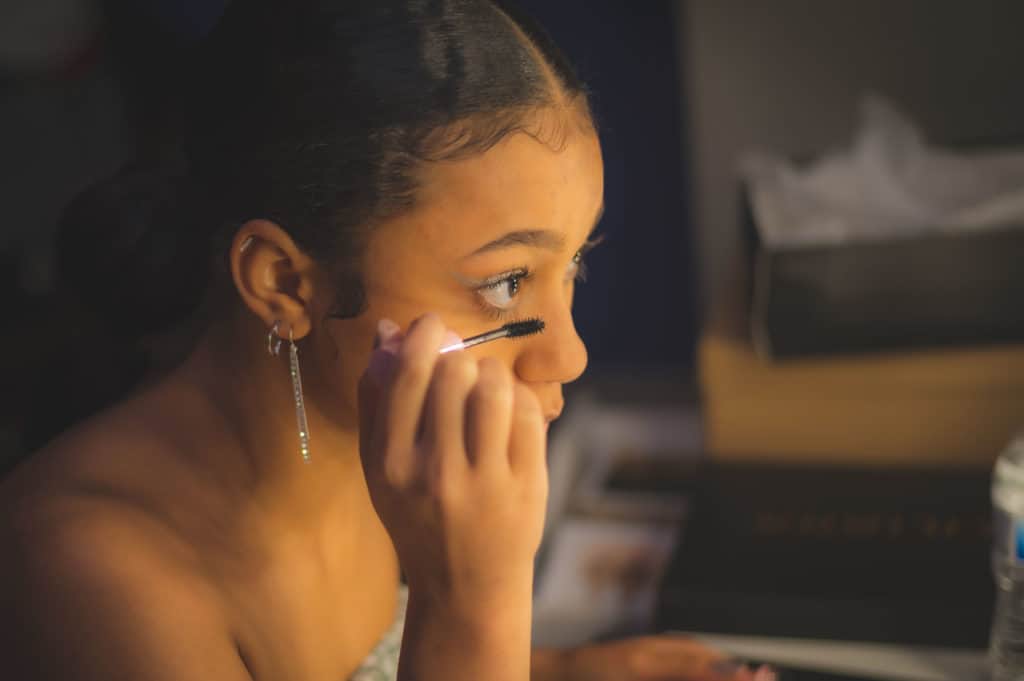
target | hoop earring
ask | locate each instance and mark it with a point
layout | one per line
(274, 340)
(300, 404)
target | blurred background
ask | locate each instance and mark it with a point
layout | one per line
(813, 234)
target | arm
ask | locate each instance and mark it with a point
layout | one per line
(453, 453)
(645, 658)
(87, 607)
(445, 641)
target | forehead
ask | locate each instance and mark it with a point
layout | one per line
(520, 183)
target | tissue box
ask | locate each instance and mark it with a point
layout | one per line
(914, 292)
(954, 407)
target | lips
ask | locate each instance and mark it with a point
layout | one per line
(553, 410)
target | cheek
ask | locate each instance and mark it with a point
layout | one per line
(343, 351)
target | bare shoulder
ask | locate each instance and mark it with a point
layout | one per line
(97, 584)
(97, 597)
(120, 449)
(92, 593)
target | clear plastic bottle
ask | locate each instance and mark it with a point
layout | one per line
(1006, 646)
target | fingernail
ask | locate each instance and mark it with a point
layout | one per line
(725, 667)
(386, 330)
(765, 673)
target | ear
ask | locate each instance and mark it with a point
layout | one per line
(274, 278)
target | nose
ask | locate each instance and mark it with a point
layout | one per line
(557, 355)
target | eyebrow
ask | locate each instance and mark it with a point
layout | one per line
(531, 238)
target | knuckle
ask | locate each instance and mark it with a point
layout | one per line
(494, 368)
(494, 383)
(443, 484)
(434, 476)
(431, 322)
(413, 368)
(456, 370)
(425, 332)
(426, 323)
(395, 475)
(495, 371)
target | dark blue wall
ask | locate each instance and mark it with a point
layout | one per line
(638, 306)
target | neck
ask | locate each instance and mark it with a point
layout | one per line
(252, 445)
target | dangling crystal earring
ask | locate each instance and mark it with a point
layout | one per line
(274, 342)
(300, 405)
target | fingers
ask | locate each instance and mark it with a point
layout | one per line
(448, 410)
(665, 658)
(527, 443)
(398, 417)
(444, 414)
(489, 417)
(725, 669)
(681, 658)
(370, 386)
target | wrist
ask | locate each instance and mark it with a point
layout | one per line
(485, 638)
(467, 598)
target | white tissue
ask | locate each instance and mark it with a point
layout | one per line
(889, 184)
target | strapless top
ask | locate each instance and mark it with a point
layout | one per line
(382, 662)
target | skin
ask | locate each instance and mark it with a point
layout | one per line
(180, 536)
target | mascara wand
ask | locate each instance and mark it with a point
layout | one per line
(527, 327)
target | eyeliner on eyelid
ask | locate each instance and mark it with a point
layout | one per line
(491, 282)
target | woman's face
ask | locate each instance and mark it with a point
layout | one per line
(494, 238)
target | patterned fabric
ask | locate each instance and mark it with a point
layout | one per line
(382, 662)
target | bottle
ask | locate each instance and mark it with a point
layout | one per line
(1006, 644)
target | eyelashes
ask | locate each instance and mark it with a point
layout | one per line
(497, 295)
(577, 260)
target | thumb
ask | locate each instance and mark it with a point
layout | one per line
(376, 377)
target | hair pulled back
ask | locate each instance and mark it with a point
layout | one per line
(319, 115)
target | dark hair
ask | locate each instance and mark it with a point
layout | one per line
(318, 115)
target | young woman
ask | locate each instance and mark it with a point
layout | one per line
(362, 174)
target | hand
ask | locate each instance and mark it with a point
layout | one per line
(650, 658)
(453, 449)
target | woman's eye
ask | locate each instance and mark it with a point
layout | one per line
(500, 294)
(577, 269)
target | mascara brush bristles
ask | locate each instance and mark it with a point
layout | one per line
(527, 327)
